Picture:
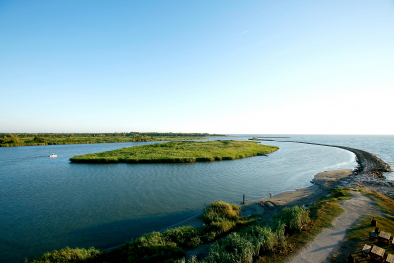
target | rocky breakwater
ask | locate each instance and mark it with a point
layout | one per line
(370, 168)
(367, 163)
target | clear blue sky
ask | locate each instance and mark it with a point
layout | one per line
(309, 67)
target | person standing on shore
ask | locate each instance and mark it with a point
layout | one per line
(270, 195)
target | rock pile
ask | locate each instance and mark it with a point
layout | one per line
(357, 180)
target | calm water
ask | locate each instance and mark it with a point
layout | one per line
(49, 203)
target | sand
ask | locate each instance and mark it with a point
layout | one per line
(267, 207)
(327, 243)
(323, 182)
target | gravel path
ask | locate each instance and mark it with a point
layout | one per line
(330, 238)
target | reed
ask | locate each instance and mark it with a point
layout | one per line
(68, 255)
(179, 152)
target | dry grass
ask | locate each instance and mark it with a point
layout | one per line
(358, 234)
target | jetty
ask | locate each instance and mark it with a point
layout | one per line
(367, 163)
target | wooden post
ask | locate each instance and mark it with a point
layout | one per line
(243, 200)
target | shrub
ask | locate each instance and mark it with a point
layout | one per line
(68, 255)
(219, 211)
(294, 218)
(186, 236)
(222, 226)
(194, 259)
(262, 238)
(152, 247)
(338, 193)
(233, 248)
(280, 238)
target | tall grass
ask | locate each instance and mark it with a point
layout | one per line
(233, 248)
(294, 218)
(252, 243)
(185, 237)
(179, 152)
(68, 255)
(152, 247)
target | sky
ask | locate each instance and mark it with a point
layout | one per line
(216, 66)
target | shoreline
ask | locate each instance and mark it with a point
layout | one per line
(368, 163)
(367, 173)
(322, 183)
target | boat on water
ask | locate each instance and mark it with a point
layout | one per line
(52, 155)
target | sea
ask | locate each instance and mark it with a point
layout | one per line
(49, 203)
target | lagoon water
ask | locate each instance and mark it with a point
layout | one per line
(49, 203)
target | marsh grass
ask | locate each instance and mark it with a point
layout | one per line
(10, 140)
(219, 217)
(179, 152)
(185, 237)
(246, 241)
(294, 218)
(152, 247)
(68, 255)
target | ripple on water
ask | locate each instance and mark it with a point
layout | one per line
(50, 203)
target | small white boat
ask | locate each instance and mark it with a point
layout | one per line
(52, 155)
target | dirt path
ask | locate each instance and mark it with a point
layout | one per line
(328, 240)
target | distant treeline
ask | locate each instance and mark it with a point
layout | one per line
(31, 139)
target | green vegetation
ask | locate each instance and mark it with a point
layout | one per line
(30, 139)
(185, 237)
(152, 247)
(321, 215)
(246, 240)
(294, 218)
(179, 152)
(68, 255)
(219, 218)
(358, 234)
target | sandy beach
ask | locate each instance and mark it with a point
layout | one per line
(267, 207)
(322, 183)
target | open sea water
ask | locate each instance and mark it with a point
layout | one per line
(50, 203)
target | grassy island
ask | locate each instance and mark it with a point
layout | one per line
(179, 152)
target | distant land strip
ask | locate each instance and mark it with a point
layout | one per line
(179, 152)
(35, 139)
(270, 137)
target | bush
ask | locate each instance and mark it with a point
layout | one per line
(152, 247)
(186, 236)
(219, 211)
(233, 248)
(338, 193)
(222, 227)
(220, 217)
(262, 238)
(280, 238)
(68, 255)
(294, 218)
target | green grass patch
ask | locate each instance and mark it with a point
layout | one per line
(179, 152)
(321, 215)
(246, 241)
(358, 234)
